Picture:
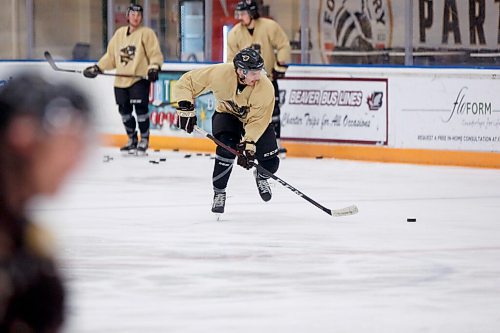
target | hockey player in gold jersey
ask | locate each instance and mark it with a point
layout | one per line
(133, 50)
(268, 38)
(245, 102)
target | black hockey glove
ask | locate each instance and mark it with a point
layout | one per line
(92, 71)
(186, 116)
(153, 74)
(279, 71)
(246, 156)
(278, 75)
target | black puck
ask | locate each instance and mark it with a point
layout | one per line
(411, 219)
(319, 157)
(163, 159)
(187, 156)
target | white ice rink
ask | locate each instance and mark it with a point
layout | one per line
(142, 252)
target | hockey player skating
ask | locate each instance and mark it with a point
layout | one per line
(268, 38)
(245, 101)
(44, 134)
(134, 49)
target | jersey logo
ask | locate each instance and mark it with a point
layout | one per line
(240, 111)
(127, 54)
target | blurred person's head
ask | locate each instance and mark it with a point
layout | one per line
(246, 11)
(43, 131)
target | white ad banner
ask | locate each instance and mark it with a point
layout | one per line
(446, 114)
(349, 110)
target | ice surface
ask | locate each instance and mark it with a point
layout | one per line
(142, 252)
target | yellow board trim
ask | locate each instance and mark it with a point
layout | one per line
(348, 152)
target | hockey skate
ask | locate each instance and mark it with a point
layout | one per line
(262, 186)
(142, 147)
(219, 203)
(131, 146)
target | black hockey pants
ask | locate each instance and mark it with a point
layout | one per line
(136, 95)
(229, 129)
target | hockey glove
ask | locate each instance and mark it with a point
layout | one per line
(279, 71)
(246, 154)
(92, 71)
(153, 74)
(186, 116)
(278, 75)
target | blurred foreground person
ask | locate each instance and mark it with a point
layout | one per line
(43, 130)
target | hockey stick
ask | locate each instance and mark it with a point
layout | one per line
(52, 64)
(350, 210)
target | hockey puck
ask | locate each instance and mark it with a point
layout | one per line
(157, 150)
(163, 159)
(411, 219)
(199, 154)
(187, 156)
(175, 149)
(319, 157)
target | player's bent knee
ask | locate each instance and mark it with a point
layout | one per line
(229, 140)
(141, 109)
(271, 164)
(124, 109)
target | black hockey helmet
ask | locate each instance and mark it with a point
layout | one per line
(54, 105)
(250, 6)
(133, 7)
(249, 60)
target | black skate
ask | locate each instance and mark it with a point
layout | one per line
(262, 186)
(219, 203)
(131, 146)
(143, 146)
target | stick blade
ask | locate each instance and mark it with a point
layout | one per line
(346, 211)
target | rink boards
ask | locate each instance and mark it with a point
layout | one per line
(448, 116)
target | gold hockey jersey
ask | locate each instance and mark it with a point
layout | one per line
(132, 54)
(253, 105)
(267, 38)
